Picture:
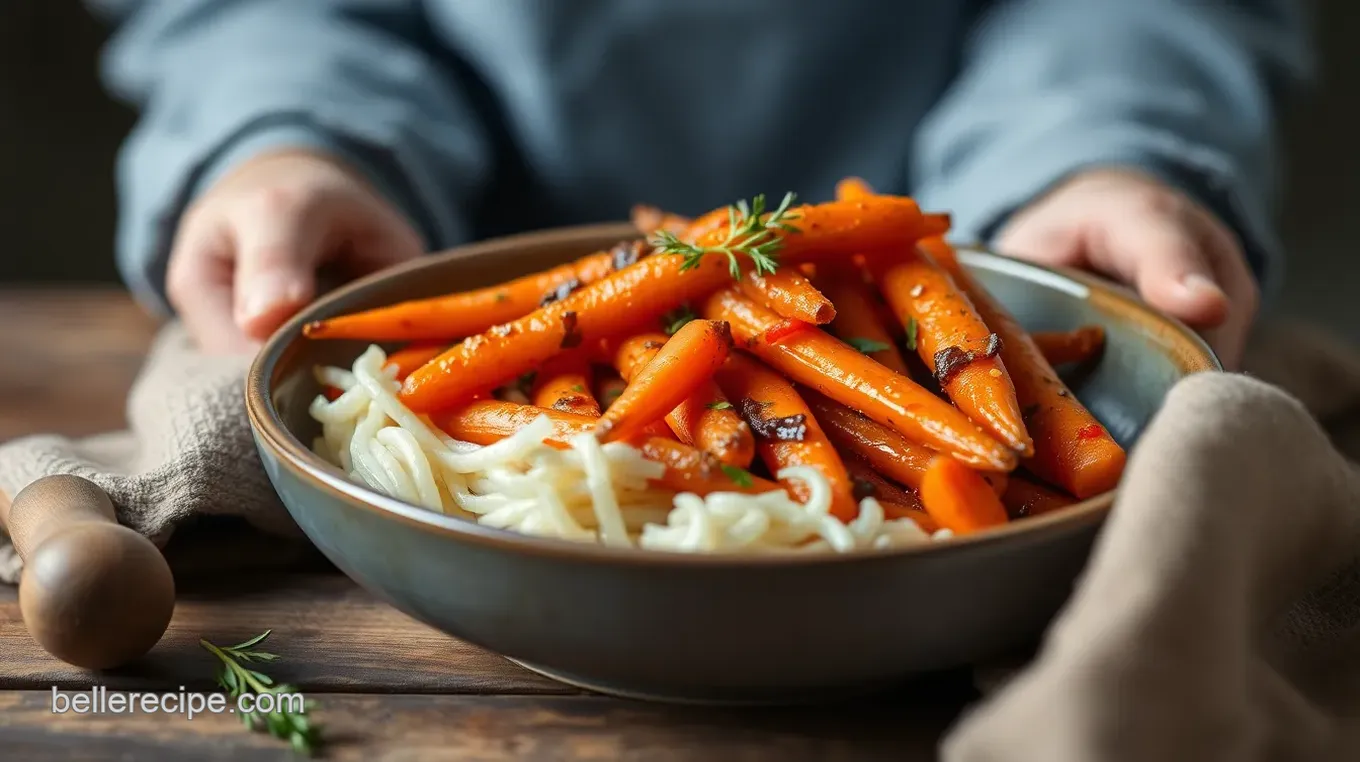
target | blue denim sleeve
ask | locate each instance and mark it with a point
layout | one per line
(1181, 89)
(219, 81)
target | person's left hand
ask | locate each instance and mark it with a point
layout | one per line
(1130, 227)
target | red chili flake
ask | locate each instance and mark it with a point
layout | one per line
(1091, 432)
(784, 329)
(332, 393)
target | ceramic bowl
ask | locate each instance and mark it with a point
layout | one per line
(698, 628)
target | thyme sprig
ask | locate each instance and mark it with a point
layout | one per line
(751, 232)
(237, 680)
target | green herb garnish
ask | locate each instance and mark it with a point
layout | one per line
(740, 477)
(677, 318)
(751, 232)
(867, 346)
(911, 334)
(238, 680)
(719, 405)
(578, 388)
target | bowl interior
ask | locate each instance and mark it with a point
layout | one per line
(1145, 353)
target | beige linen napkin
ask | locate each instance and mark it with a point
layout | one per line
(1219, 618)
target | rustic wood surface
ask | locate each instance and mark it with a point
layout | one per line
(385, 686)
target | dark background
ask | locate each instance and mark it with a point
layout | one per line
(59, 133)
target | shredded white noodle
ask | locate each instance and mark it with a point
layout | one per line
(587, 493)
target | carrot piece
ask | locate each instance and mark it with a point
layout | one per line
(958, 346)
(857, 320)
(852, 189)
(676, 371)
(649, 219)
(884, 449)
(818, 360)
(1076, 346)
(959, 499)
(922, 519)
(705, 418)
(869, 483)
(486, 422)
(564, 384)
(787, 433)
(413, 356)
(1024, 498)
(640, 293)
(1071, 448)
(454, 316)
(790, 294)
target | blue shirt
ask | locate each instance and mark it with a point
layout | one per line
(480, 117)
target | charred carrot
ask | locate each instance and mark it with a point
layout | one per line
(454, 316)
(486, 422)
(705, 418)
(564, 384)
(677, 370)
(410, 357)
(885, 450)
(957, 345)
(959, 499)
(640, 293)
(869, 483)
(1071, 448)
(787, 434)
(1024, 498)
(818, 360)
(649, 219)
(1062, 347)
(857, 320)
(789, 293)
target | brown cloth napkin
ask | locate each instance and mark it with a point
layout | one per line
(1219, 618)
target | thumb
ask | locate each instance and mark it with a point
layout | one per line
(1168, 266)
(276, 259)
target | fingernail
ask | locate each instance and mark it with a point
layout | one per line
(1197, 284)
(266, 292)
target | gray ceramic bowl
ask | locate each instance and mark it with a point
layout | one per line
(706, 628)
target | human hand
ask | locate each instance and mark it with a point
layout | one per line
(247, 251)
(1130, 227)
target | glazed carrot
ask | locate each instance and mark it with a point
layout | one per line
(454, 316)
(787, 434)
(564, 384)
(413, 356)
(853, 188)
(705, 418)
(1026, 498)
(676, 371)
(957, 345)
(640, 293)
(789, 293)
(1061, 347)
(899, 511)
(959, 499)
(1071, 448)
(649, 219)
(857, 320)
(869, 483)
(885, 450)
(818, 360)
(486, 422)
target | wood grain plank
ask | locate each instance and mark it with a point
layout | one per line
(332, 635)
(501, 728)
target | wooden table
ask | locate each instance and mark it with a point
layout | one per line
(385, 686)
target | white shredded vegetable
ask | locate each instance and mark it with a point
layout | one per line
(587, 493)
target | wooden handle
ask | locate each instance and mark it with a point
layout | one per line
(93, 593)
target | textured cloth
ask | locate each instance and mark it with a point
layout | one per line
(1219, 618)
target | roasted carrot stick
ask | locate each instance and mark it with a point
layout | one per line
(787, 434)
(958, 346)
(467, 313)
(1025, 498)
(1071, 448)
(649, 219)
(852, 189)
(564, 384)
(818, 360)
(486, 422)
(675, 372)
(869, 483)
(857, 320)
(885, 450)
(959, 499)
(790, 294)
(1061, 347)
(413, 356)
(638, 294)
(705, 418)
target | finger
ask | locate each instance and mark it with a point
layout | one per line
(1042, 235)
(198, 283)
(387, 241)
(278, 246)
(1164, 258)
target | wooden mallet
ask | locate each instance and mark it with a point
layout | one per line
(94, 593)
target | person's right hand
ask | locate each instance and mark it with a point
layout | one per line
(247, 251)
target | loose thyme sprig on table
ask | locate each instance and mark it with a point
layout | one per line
(238, 680)
(750, 232)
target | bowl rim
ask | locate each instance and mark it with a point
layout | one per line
(289, 452)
